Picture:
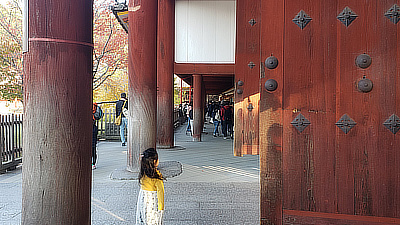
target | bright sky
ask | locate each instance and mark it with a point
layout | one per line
(3, 2)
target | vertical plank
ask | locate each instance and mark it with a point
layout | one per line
(380, 195)
(309, 90)
(12, 136)
(271, 124)
(2, 146)
(350, 147)
(246, 138)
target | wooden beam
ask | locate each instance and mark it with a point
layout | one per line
(204, 68)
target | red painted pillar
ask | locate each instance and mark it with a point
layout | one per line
(165, 73)
(190, 94)
(142, 70)
(197, 107)
(203, 102)
(57, 137)
(181, 92)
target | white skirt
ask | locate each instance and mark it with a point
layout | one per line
(147, 209)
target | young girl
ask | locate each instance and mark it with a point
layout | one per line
(150, 205)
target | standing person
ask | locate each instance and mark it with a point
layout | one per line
(210, 109)
(216, 118)
(180, 113)
(97, 114)
(189, 114)
(226, 118)
(120, 106)
(150, 204)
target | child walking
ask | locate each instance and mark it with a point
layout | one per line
(150, 205)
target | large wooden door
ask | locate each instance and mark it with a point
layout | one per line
(328, 145)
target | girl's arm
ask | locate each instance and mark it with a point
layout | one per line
(160, 194)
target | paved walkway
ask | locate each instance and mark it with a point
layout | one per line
(214, 187)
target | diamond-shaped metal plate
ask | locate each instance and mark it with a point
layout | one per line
(251, 65)
(393, 123)
(345, 123)
(300, 122)
(252, 22)
(347, 16)
(301, 19)
(393, 14)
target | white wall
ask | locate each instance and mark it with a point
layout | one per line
(205, 31)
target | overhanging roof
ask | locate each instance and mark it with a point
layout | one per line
(121, 13)
(217, 78)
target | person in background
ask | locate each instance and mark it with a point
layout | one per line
(181, 116)
(94, 137)
(189, 115)
(226, 113)
(216, 118)
(122, 103)
(150, 204)
(190, 118)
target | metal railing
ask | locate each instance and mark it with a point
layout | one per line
(10, 141)
(11, 135)
(107, 130)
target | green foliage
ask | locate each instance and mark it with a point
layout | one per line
(109, 55)
(110, 52)
(112, 88)
(177, 91)
(10, 51)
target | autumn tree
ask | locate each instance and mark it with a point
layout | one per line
(110, 53)
(10, 51)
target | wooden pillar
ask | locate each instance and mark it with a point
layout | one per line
(56, 178)
(271, 116)
(190, 94)
(165, 73)
(246, 129)
(197, 107)
(203, 105)
(181, 92)
(142, 70)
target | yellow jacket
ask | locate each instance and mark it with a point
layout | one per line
(153, 184)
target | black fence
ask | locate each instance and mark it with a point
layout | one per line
(10, 141)
(109, 131)
(11, 136)
(106, 126)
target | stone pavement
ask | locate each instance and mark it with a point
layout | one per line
(213, 188)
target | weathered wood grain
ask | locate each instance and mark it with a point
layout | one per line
(247, 51)
(58, 114)
(165, 73)
(142, 70)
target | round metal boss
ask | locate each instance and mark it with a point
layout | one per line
(240, 83)
(271, 85)
(365, 85)
(363, 61)
(239, 91)
(271, 62)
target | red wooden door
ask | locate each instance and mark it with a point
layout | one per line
(328, 151)
(247, 73)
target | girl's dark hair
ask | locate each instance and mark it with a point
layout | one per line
(147, 164)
